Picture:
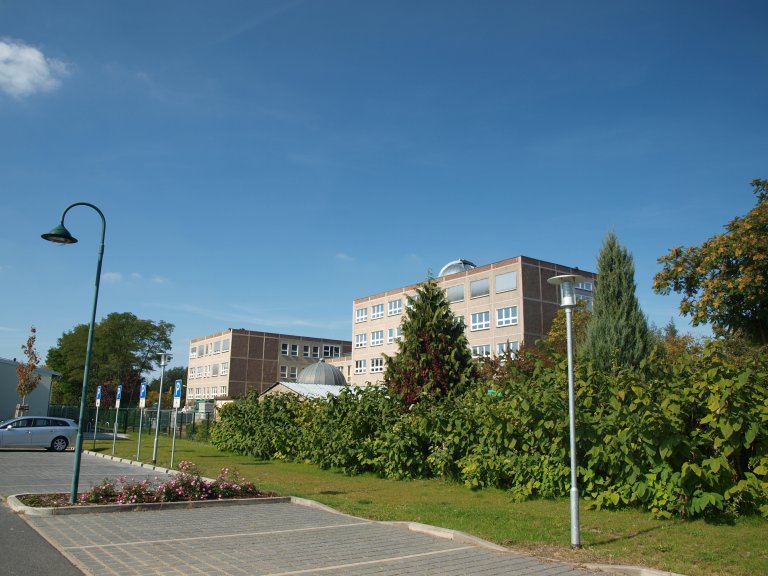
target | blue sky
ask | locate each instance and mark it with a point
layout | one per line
(263, 163)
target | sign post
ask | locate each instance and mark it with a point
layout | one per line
(96, 425)
(176, 404)
(142, 404)
(117, 413)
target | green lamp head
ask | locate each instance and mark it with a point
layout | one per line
(59, 235)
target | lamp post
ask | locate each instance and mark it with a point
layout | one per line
(568, 301)
(60, 235)
(164, 358)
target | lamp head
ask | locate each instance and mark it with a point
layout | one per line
(59, 235)
(567, 283)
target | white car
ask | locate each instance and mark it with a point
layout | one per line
(38, 432)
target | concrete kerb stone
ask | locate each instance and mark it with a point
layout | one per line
(629, 570)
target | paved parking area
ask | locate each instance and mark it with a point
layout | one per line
(249, 539)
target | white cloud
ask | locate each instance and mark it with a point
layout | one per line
(135, 275)
(160, 280)
(25, 70)
(112, 277)
(345, 257)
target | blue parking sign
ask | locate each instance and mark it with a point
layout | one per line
(143, 395)
(119, 391)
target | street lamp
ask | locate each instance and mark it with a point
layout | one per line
(568, 301)
(60, 235)
(164, 359)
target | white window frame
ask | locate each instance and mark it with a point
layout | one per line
(224, 368)
(395, 307)
(306, 350)
(225, 345)
(480, 321)
(481, 351)
(377, 364)
(377, 338)
(284, 372)
(295, 350)
(506, 316)
(360, 367)
(193, 351)
(361, 340)
(377, 311)
(284, 348)
(361, 314)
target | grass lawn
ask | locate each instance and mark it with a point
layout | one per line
(540, 527)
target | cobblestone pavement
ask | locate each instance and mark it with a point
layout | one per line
(249, 539)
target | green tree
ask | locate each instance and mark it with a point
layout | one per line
(723, 280)
(124, 347)
(556, 338)
(169, 379)
(26, 373)
(617, 334)
(433, 357)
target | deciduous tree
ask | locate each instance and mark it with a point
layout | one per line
(28, 377)
(723, 280)
(124, 347)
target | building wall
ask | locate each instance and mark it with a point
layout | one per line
(234, 362)
(513, 303)
(37, 400)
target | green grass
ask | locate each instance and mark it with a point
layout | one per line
(540, 527)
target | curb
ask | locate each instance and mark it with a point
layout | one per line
(17, 506)
(629, 570)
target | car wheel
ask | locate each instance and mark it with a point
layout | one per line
(59, 444)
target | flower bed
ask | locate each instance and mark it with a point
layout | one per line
(186, 486)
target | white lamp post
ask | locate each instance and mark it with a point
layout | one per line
(568, 301)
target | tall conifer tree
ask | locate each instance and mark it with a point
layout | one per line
(618, 335)
(433, 357)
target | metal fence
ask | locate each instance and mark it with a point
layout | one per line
(192, 425)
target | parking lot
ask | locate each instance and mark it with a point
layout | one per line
(244, 539)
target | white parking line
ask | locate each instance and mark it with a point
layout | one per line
(369, 562)
(214, 536)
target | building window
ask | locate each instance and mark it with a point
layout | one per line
(207, 348)
(223, 391)
(359, 366)
(584, 286)
(224, 368)
(481, 321)
(361, 340)
(506, 282)
(214, 370)
(390, 335)
(191, 373)
(377, 311)
(332, 351)
(305, 351)
(506, 316)
(395, 307)
(283, 372)
(284, 348)
(193, 352)
(478, 288)
(377, 364)
(200, 350)
(295, 350)
(315, 351)
(377, 338)
(294, 372)
(225, 345)
(503, 347)
(455, 293)
(481, 351)
(217, 347)
(361, 314)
